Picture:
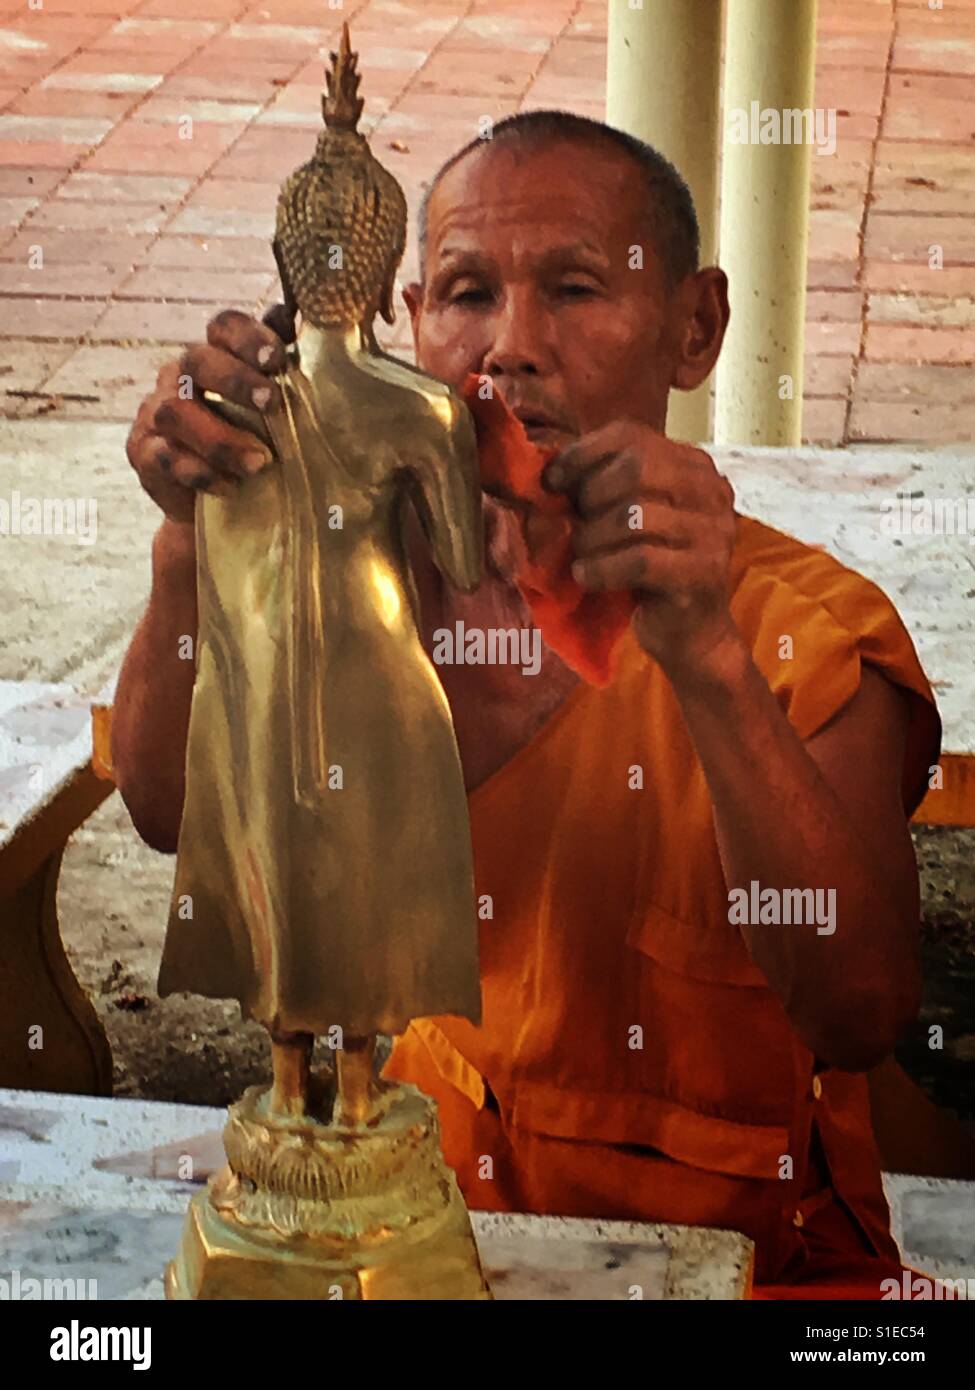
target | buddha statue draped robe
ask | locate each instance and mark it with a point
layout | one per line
(324, 873)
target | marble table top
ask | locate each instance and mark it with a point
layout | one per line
(80, 1173)
(45, 736)
(89, 1190)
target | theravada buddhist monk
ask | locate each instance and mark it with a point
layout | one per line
(703, 900)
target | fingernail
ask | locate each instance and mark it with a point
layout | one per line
(264, 355)
(555, 475)
(253, 462)
(260, 396)
(579, 571)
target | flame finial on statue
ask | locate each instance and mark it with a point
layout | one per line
(341, 103)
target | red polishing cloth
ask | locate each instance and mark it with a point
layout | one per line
(583, 628)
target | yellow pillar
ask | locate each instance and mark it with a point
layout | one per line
(662, 85)
(769, 69)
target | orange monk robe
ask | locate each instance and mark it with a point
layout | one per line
(632, 1062)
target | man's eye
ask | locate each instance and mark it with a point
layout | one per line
(472, 296)
(572, 289)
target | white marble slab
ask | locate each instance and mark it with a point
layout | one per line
(123, 1249)
(841, 499)
(45, 737)
(934, 1221)
(70, 1207)
(56, 1141)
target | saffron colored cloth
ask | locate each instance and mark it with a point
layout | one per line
(584, 629)
(834, 1264)
(632, 1062)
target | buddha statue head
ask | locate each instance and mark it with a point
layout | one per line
(341, 220)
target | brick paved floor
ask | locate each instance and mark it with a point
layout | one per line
(141, 143)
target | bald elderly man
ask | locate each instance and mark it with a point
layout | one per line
(705, 899)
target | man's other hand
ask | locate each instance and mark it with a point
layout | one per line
(654, 516)
(177, 445)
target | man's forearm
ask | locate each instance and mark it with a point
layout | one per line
(849, 988)
(155, 687)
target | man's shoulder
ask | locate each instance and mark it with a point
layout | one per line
(771, 568)
(811, 622)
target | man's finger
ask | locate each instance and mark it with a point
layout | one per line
(195, 473)
(632, 523)
(213, 369)
(567, 470)
(626, 478)
(646, 567)
(166, 470)
(606, 466)
(243, 337)
(199, 431)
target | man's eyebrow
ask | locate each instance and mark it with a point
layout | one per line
(455, 261)
(575, 253)
(460, 255)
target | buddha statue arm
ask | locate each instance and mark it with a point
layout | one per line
(447, 497)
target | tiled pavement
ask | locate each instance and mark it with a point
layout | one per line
(142, 141)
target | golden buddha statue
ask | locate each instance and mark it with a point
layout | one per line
(324, 874)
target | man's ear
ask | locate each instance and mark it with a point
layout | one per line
(413, 299)
(702, 315)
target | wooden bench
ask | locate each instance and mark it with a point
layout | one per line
(50, 1036)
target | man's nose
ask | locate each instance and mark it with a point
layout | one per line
(517, 347)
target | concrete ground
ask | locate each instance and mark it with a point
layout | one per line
(141, 144)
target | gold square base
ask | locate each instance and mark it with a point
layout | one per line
(304, 1211)
(217, 1261)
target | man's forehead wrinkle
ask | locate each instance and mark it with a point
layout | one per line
(505, 210)
(462, 189)
(460, 231)
(595, 203)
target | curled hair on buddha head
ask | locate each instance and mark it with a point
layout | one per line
(671, 216)
(341, 222)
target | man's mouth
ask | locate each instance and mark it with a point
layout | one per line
(540, 426)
